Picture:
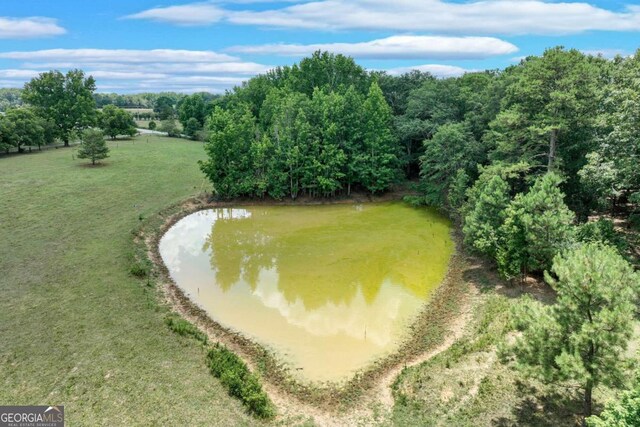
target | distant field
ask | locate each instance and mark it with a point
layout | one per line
(138, 110)
(144, 124)
(75, 328)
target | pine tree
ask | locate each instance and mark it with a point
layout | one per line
(93, 146)
(583, 337)
(537, 226)
(486, 215)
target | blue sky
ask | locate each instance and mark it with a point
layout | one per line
(153, 45)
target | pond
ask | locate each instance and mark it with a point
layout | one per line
(328, 288)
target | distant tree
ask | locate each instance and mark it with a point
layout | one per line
(550, 104)
(192, 107)
(453, 147)
(548, 117)
(397, 89)
(25, 128)
(582, 337)
(169, 127)
(6, 132)
(192, 127)
(164, 107)
(152, 125)
(93, 146)
(613, 173)
(65, 100)
(537, 226)
(10, 98)
(115, 121)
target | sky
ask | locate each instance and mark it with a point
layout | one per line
(134, 46)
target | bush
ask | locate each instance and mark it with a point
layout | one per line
(152, 125)
(170, 127)
(602, 231)
(415, 201)
(140, 269)
(625, 411)
(239, 381)
(184, 328)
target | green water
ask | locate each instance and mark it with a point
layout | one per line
(328, 288)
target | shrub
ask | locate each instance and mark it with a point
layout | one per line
(184, 328)
(152, 125)
(602, 231)
(140, 269)
(239, 381)
(415, 201)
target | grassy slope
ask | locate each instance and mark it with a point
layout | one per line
(468, 385)
(75, 327)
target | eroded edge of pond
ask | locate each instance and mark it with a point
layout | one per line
(424, 334)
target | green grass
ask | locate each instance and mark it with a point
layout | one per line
(76, 327)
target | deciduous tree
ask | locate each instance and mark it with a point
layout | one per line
(64, 100)
(115, 121)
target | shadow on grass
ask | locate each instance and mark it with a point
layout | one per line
(484, 277)
(92, 166)
(541, 408)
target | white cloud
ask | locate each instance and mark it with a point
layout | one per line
(396, 47)
(28, 28)
(470, 17)
(437, 70)
(119, 55)
(18, 74)
(190, 14)
(137, 70)
(241, 68)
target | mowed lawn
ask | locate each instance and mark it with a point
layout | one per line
(75, 327)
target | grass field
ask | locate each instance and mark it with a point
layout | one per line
(75, 328)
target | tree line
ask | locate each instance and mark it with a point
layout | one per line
(56, 106)
(319, 128)
(59, 107)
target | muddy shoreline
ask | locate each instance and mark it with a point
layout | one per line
(427, 332)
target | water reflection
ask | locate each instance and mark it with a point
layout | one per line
(328, 287)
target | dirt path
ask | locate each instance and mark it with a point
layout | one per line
(456, 331)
